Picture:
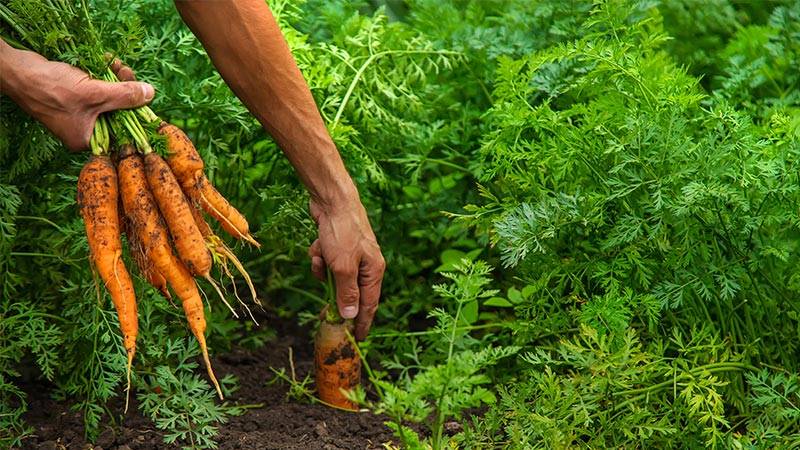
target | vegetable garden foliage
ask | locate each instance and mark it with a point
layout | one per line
(588, 210)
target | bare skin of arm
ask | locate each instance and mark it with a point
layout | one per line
(63, 97)
(249, 51)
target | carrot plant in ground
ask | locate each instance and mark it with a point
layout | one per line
(619, 189)
(443, 390)
(183, 404)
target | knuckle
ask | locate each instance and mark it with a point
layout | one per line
(133, 93)
(370, 307)
(345, 270)
(348, 295)
(126, 73)
(380, 265)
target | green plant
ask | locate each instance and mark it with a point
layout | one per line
(634, 187)
(182, 403)
(438, 392)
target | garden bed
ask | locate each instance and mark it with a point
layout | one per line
(280, 424)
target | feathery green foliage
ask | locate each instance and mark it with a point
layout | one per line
(609, 189)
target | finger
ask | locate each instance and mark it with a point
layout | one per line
(347, 292)
(317, 261)
(370, 289)
(318, 268)
(126, 74)
(123, 95)
(123, 72)
(79, 141)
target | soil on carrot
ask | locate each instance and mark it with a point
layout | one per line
(279, 424)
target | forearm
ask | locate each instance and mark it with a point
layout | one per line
(13, 67)
(6, 67)
(249, 51)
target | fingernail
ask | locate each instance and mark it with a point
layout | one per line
(349, 312)
(148, 92)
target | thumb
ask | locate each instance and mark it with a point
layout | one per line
(124, 95)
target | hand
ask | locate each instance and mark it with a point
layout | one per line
(63, 97)
(347, 245)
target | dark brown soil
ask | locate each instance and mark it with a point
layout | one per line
(279, 424)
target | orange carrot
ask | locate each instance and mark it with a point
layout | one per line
(337, 365)
(177, 213)
(149, 227)
(183, 158)
(146, 267)
(98, 195)
(218, 207)
(186, 289)
(222, 254)
(187, 166)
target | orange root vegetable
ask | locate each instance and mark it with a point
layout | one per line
(187, 166)
(176, 211)
(148, 225)
(146, 267)
(218, 207)
(223, 255)
(186, 289)
(98, 196)
(183, 158)
(336, 363)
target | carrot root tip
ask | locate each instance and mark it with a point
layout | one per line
(210, 371)
(128, 376)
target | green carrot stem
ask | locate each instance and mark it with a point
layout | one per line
(332, 315)
(143, 111)
(130, 123)
(6, 14)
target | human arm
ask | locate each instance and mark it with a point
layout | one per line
(62, 97)
(247, 48)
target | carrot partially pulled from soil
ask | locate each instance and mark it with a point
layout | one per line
(98, 196)
(337, 364)
(187, 166)
(148, 225)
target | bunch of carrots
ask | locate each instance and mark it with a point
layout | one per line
(159, 203)
(158, 198)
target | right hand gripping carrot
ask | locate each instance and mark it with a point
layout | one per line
(149, 227)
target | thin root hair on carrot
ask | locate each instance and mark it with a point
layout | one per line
(221, 295)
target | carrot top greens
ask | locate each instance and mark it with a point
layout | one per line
(589, 212)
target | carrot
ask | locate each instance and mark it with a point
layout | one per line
(186, 289)
(220, 250)
(98, 200)
(223, 254)
(187, 166)
(337, 365)
(148, 225)
(146, 267)
(177, 213)
(218, 207)
(176, 210)
(183, 158)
